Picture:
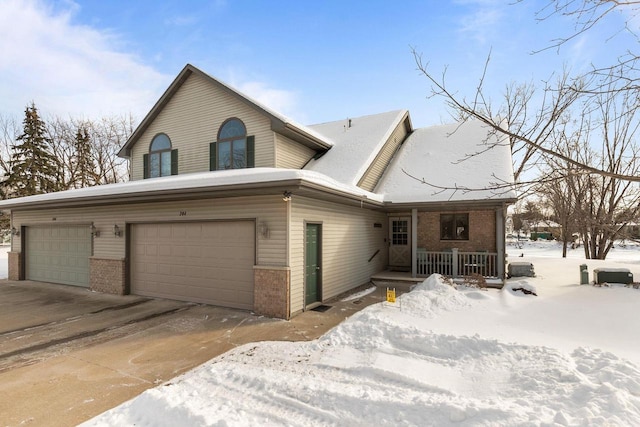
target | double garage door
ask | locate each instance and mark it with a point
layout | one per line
(208, 262)
(58, 254)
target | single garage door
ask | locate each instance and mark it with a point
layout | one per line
(58, 254)
(208, 262)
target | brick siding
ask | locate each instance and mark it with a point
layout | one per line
(15, 262)
(271, 292)
(107, 275)
(482, 232)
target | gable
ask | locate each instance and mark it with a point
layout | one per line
(375, 170)
(191, 119)
(358, 143)
(195, 103)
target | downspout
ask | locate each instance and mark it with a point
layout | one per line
(414, 242)
(288, 250)
(11, 228)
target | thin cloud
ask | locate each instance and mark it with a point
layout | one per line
(282, 101)
(483, 21)
(181, 20)
(67, 68)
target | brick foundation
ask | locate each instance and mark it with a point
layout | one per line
(15, 266)
(107, 275)
(271, 291)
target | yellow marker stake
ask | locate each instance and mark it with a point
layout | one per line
(391, 295)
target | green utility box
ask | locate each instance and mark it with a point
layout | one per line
(584, 274)
(612, 275)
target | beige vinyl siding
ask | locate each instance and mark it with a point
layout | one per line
(349, 239)
(290, 154)
(268, 209)
(192, 119)
(371, 177)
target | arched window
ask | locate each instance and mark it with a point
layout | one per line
(234, 149)
(161, 160)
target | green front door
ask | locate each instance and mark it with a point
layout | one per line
(312, 264)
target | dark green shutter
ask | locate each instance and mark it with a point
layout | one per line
(174, 161)
(251, 151)
(145, 166)
(213, 164)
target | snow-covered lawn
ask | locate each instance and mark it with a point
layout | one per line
(438, 356)
(4, 266)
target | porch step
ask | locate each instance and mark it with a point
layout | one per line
(397, 276)
(399, 286)
(395, 279)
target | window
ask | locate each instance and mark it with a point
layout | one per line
(161, 160)
(400, 232)
(234, 149)
(454, 226)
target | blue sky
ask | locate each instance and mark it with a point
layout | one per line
(314, 61)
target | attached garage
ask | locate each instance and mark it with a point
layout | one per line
(208, 262)
(58, 254)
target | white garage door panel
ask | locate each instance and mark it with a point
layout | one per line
(210, 262)
(58, 254)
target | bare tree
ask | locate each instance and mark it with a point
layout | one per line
(586, 14)
(528, 124)
(9, 130)
(87, 150)
(564, 191)
(533, 133)
(108, 136)
(597, 206)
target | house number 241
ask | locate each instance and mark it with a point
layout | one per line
(183, 213)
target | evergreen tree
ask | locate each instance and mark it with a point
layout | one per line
(83, 160)
(32, 166)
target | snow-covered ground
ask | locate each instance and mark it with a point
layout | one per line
(438, 356)
(4, 266)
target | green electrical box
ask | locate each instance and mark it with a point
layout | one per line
(612, 275)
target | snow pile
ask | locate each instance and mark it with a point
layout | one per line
(391, 365)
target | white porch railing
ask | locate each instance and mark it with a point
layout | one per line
(455, 264)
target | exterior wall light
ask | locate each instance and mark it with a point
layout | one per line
(264, 230)
(286, 196)
(15, 231)
(116, 230)
(94, 231)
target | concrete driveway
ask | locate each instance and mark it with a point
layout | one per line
(68, 354)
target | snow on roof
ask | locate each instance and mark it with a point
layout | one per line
(357, 142)
(193, 181)
(436, 155)
(453, 155)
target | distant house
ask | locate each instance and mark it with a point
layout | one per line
(545, 229)
(233, 204)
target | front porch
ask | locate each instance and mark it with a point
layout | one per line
(453, 264)
(456, 245)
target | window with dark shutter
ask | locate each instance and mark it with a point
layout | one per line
(161, 159)
(233, 149)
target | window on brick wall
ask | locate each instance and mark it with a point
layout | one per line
(454, 226)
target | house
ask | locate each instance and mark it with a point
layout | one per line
(233, 204)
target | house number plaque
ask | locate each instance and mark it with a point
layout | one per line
(183, 213)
